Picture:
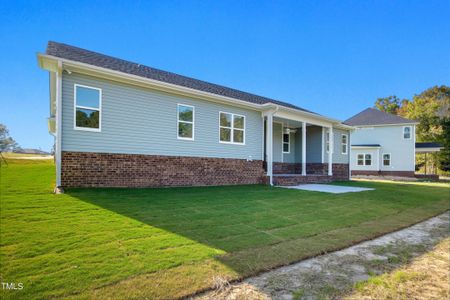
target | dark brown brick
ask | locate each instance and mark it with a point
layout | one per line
(85, 169)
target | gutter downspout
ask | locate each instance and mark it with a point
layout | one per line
(58, 138)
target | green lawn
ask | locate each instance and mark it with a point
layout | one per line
(166, 243)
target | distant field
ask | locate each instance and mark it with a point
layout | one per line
(12, 155)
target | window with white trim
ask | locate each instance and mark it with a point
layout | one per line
(407, 132)
(185, 120)
(231, 128)
(87, 108)
(386, 159)
(327, 141)
(364, 159)
(360, 160)
(286, 143)
(344, 142)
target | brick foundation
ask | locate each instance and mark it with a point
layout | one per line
(383, 173)
(340, 171)
(84, 169)
(316, 173)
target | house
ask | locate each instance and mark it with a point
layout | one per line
(123, 124)
(382, 144)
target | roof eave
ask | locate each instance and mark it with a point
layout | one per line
(50, 63)
(391, 124)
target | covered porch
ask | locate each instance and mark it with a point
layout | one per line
(298, 149)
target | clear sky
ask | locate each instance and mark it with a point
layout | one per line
(332, 57)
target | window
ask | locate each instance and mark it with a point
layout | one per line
(360, 159)
(87, 112)
(232, 128)
(407, 132)
(386, 159)
(364, 159)
(286, 142)
(185, 122)
(344, 142)
(327, 141)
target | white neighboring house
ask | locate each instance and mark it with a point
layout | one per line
(382, 144)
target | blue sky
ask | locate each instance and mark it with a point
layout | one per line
(332, 57)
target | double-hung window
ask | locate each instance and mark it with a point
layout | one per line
(344, 143)
(364, 159)
(386, 159)
(185, 122)
(231, 128)
(407, 132)
(327, 141)
(286, 143)
(88, 105)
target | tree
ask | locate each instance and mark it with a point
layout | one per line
(444, 155)
(7, 143)
(390, 104)
(429, 108)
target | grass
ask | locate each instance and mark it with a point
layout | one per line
(427, 277)
(168, 243)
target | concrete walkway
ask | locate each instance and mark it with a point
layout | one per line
(328, 188)
(330, 276)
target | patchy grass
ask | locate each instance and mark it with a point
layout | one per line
(168, 243)
(427, 277)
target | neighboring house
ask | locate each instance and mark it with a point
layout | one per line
(122, 124)
(382, 144)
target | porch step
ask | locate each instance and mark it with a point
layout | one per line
(296, 179)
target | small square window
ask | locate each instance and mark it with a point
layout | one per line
(386, 159)
(231, 128)
(368, 160)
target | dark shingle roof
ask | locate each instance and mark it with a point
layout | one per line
(116, 64)
(366, 145)
(428, 145)
(372, 116)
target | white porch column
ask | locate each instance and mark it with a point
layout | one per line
(304, 148)
(330, 151)
(269, 146)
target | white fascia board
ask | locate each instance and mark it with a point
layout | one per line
(382, 125)
(428, 150)
(365, 147)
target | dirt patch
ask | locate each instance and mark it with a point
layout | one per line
(332, 276)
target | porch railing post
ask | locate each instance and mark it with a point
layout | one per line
(330, 151)
(269, 146)
(304, 148)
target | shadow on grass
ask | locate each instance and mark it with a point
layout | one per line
(261, 227)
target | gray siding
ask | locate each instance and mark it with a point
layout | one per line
(142, 121)
(390, 138)
(338, 157)
(313, 144)
(277, 138)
